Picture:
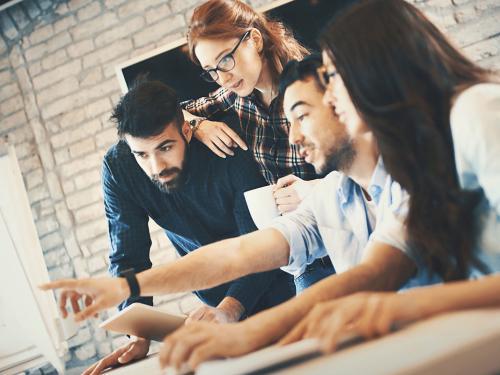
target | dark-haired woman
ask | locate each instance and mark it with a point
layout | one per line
(436, 118)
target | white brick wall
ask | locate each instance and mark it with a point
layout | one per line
(57, 86)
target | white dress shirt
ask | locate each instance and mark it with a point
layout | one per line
(334, 220)
(475, 125)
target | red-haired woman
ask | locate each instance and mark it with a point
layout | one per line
(244, 52)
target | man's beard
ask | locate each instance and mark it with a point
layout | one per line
(175, 183)
(339, 158)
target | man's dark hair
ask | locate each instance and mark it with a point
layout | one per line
(146, 109)
(299, 71)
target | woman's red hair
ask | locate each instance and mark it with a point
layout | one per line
(228, 19)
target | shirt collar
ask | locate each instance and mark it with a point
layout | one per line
(377, 182)
(346, 184)
(255, 98)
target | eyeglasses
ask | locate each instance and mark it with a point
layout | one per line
(225, 64)
(324, 75)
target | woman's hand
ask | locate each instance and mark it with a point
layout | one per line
(366, 314)
(219, 138)
(200, 341)
(98, 294)
(290, 191)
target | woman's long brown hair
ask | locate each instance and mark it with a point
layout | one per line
(402, 75)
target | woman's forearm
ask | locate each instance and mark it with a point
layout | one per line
(272, 324)
(481, 293)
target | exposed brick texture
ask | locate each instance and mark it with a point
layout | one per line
(57, 88)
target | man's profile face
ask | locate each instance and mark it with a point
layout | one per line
(322, 139)
(162, 157)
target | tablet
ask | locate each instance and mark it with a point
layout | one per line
(144, 321)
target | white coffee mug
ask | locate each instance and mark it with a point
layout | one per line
(262, 205)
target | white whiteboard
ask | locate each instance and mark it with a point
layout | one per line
(29, 326)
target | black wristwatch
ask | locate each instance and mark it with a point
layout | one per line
(133, 284)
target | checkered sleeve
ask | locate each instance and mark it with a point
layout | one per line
(218, 101)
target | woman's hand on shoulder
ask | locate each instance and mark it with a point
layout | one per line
(219, 138)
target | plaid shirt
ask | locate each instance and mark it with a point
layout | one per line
(264, 130)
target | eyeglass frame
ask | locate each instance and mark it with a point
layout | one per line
(324, 76)
(207, 76)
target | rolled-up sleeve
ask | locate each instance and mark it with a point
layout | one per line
(300, 229)
(217, 101)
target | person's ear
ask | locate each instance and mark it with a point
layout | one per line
(257, 39)
(186, 131)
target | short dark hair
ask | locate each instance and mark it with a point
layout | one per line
(300, 70)
(146, 109)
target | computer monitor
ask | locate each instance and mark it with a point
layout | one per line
(32, 332)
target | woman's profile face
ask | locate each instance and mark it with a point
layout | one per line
(244, 76)
(337, 96)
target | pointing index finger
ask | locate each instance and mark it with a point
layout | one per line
(59, 284)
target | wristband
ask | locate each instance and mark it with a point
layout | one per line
(133, 284)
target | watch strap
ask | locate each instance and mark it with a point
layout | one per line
(133, 284)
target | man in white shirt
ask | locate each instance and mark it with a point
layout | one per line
(355, 216)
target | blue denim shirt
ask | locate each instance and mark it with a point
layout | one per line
(333, 220)
(209, 207)
(475, 125)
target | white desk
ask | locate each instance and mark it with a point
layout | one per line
(461, 343)
(458, 343)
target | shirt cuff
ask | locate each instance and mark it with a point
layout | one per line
(304, 247)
